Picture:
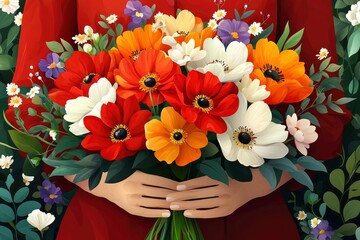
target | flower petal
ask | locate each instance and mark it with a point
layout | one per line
(271, 151)
(197, 140)
(168, 153)
(258, 117)
(249, 158)
(272, 134)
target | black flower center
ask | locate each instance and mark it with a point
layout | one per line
(203, 102)
(89, 78)
(150, 82)
(244, 138)
(272, 74)
(120, 134)
(178, 136)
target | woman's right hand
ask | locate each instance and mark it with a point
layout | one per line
(140, 194)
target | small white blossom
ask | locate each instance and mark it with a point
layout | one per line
(31, 75)
(255, 29)
(9, 6)
(213, 24)
(301, 216)
(87, 48)
(53, 135)
(219, 14)
(40, 220)
(112, 18)
(18, 19)
(27, 179)
(252, 89)
(315, 222)
(12, 89)
(6, 161)
(95, 37)
(33, 91)
(353, 14)
(80, 38)
(159, 16)
(88, 30)
(15, 101)
(31, 67)
(322, 54)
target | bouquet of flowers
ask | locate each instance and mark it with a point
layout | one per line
(179, 98)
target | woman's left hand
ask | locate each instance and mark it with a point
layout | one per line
(207, 198)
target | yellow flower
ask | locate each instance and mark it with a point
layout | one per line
(184, 23)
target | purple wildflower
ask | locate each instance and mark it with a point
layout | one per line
(138, 13)
(322, 231)
(233, 30)
(50, 193)
(51, 65)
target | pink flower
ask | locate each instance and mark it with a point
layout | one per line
(303, 132)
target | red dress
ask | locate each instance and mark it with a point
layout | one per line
(89, 217)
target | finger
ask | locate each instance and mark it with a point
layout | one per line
(197, 204)
(149, 213)
(197, 183)
(196, 194)
(211, 213)
(153, 180)
(152, 203)
(153, 192)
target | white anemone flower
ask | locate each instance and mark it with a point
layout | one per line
(100, 93)
(40, 220)
(251, 137)
(230, 64)
(185, 53)
(252, 89)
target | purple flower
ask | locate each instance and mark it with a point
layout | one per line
(233, 30)
(138, 13)
(50, 193)
(51, 66)
(322, 231)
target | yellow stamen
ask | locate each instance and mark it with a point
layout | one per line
(139, 14)
(322, 231)
(6, 2)
(52, 196)
(235, 35)
(52, 65)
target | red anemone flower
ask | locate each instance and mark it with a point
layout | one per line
(82, 70)
(119, 132)
(202, 99)
(146, 76)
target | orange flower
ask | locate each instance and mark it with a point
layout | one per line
(281, 72)
(173, 139)
(199, 38)
(131, 43)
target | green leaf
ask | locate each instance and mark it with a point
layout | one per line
(179, 172)
(247, 14)
(313, 198)
(6, 234)
(340, 4)
(330, 83)
(324, 64)
(262, 35)
(5, 19)
(354, 86)
(268, 172)
(25, 143)
(357, 233)
(320, 98)
(119, 29)
(55, 47)
(21, 195)
(354, 190)
(6, 62)
(5, 195)
(237, 15)
(332, 201)
(333, 67)
(277, 117)
(321, 109)
(347, 229)
(237, 171)
(66, 143)
(290, 111)
(120, 170)
(103, 24)
(351, 210)
(305, 103)
(67, 45)
(303, 178)
(283, 37)
(24, 227)
(337, 179)
(294, 40)
(354, 43)
(344, 100)
(145, 159)
(12, 34)
(283, 164)
(9, 181)
(27, 207)
(7, 214)
(103, 42)
(322, 209)
(209, 151)
(298, 49)
(311, 164)
(311, 118)
(214, 170)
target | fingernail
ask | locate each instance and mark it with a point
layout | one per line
(181, 187)
(170, 199)
(174, 207)
(187, 214)
(165, 214)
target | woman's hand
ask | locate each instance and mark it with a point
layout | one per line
(207, 198)
(140, 194)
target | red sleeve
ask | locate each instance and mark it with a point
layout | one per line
(317, 19)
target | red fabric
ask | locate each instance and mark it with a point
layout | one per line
(90, 217)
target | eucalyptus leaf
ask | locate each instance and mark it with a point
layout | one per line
(269, 174)
(294, 40)
(322, 209)
(214, 170)
(7, 213)
(25, 143)
(24, 227)
(6, 234)
(9, 181)
(5, 195)
(21, 194)
(351, 210)
(337, 179)
(354, 43)
(354, 189)
(27, 207)
(348, 229)
(303, 178)
(55, 47)
(332, 201)
(311, 118)
(311, 163)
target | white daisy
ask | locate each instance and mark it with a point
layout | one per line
(18, 19)
(160, 22)
(159, 16)
(213, 24)
(255, 29)
(229, 64)
(40, 220)
(100, 93)
(112, 19)
(9, 6)
(301, 216)
(12, 89)
(53, 134)
(219, 14)
(80, 38)
(322, 54)
(353, 14)
(15, 101)
(33, 91)
(6, 161)
(251, 136)
(186, 52)
(315, 222)
(27, 179)
(252, 89)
